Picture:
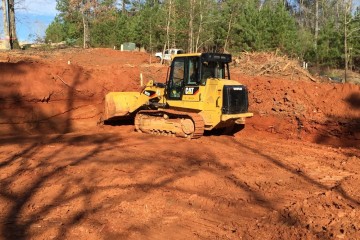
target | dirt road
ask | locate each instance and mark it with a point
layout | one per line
(292, 173)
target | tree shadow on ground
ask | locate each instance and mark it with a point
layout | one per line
(15, 226)
(28, 126)
(67, 198)
(342, 131)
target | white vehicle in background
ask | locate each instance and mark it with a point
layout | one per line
(168, 53)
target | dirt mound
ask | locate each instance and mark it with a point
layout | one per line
(288, 100)
(320, 112)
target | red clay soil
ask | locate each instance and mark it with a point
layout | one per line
(292, 173)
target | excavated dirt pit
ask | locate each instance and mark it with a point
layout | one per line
(292, 173)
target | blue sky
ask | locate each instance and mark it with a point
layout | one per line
(32, 18)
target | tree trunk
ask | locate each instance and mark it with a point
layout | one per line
(345, 48)
(316, 24)
(300, 12)
(14, 43)
(6, 25)
(191, 27)
(86, 30)
(229, 30)
(123, 7)
(346, 23)
(167, 30)
(168, 24)
(173, 44)
(200, 27)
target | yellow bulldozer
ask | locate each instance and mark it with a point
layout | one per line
(198, 96)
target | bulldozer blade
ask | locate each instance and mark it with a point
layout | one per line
(120, 104)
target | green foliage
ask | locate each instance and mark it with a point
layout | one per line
(55, 32)
(330, 46)
(231, 25)
(272, 28)
(102, 30)
(354, 41)
(60, 30)
(279, 30)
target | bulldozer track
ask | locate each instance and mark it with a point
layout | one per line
(196, 119)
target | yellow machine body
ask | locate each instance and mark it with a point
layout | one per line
(197, 96)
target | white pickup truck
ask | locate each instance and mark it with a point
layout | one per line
(168, 53)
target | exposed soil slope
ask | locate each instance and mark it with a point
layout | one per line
(63, 91)
(68, 87)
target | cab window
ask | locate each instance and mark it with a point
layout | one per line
(192, 76)
(177, 78)
(212, 70)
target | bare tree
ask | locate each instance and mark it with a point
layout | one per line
(191, 26)
(11, 40)
(233, 14)
(6, 25)
(173, 23)
(168, 20)
(85, 19)
(204, 23)
(348, 32)
(316, 37)
(201, 16)
(14, 43)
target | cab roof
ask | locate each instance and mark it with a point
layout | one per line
(208, 57)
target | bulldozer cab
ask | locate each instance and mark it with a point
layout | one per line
(191, 70)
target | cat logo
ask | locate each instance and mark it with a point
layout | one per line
(189, 90)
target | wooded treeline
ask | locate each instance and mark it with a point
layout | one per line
(326, 32)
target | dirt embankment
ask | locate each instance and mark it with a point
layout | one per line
(319, 112)
(63, 91)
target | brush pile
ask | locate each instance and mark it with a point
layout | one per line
(270, 64)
